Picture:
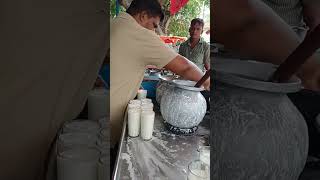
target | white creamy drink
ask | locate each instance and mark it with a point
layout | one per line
(199, 175)
(97, 104)
(135, 101)
(134, 106)
(142, 94)
(134, 122)
(205, 155)
(197, 170)
(147, 121)
(205, 158)
(146, 101)
(147, 107)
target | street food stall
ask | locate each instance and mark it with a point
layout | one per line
(179, 145)
(166, 129)
(165, 156)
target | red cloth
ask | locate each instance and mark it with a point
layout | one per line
(172, 39)
(176, 5)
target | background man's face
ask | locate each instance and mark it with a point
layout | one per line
(195, 30)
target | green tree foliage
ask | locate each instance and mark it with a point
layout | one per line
(179, 23)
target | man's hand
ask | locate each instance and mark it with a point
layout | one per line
(206, 84)
(311, 13)
(187, 69)
(152, 67)
(310, 75)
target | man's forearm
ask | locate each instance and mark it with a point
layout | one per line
(254, 30)
(187, 69)
(259, 32)
(207, 66)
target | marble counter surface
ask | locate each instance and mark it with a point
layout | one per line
(165, 156)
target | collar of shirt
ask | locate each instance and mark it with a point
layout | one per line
(128, 17)
(200, 41)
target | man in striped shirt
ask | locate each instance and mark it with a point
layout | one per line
(254, 30)
(301, 15)
(195, 48)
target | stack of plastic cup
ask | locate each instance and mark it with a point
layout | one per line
(69, 141)
(198, 170)
(103, 142)
(80, 146)
(103, 122)
(134, 122)
(141, 118)
(135, 101)
(104, 168)
(98, 103)
(204, 154)
(82, 126)
(142, 94)
(146, 101)
(78, 164)
(146, 105)
(147, 122)
(134, 108)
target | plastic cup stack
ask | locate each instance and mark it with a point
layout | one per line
(141, 118)
(103, 142)
(146, 101)
(104, 135)
(103, 122)
(81, 145)
(204, 154)
(147, 107)
(104, 168)
(78, 164)
(147, 122)
(133, 122)
(135, 101)
(198, 170)
(83, 126)
(69, 141)
(98, 103)
(103, 147)
(134, 108)
(142, 94)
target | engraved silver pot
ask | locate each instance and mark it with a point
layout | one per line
(165, 83)
(183, 105)
(256, 131)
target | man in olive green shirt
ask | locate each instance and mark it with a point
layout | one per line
(195, 48)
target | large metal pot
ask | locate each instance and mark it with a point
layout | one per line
(165, 83)
(256, 131)
(183, 105)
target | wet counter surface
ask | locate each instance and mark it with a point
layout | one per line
(165, 156)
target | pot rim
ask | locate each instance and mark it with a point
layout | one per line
(240, 78)
(182, 84)
(167, 78)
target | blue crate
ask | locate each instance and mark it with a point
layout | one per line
(105, 73)
(150, 86)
